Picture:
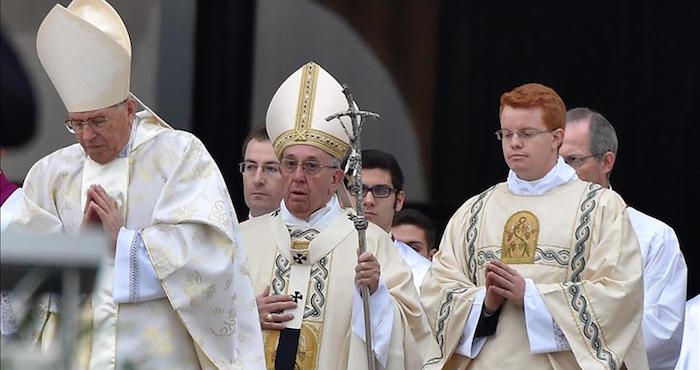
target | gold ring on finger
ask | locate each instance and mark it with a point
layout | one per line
(269, 317)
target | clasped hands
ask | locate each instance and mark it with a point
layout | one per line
(102, 209)
(502, 283)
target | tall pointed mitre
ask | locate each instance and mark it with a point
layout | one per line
(86, 51)
(298, 110)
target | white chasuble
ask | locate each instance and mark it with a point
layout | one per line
(320, 266)
(170, 190)
(576, 244)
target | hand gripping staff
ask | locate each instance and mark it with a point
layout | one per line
(354, 170)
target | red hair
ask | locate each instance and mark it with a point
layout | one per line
(536, 95)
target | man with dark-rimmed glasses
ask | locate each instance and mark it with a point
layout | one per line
(383, 196)
(527, 274)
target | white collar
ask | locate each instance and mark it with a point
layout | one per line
(559, 175)
(318, 220)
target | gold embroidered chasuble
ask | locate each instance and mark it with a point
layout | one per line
(171, 190)
(326, 339)
(577, 245)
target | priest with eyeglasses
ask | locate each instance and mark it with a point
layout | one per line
(542, 271)
(173, 290)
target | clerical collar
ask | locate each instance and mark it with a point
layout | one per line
(126, 150)
(559, 175)
(318, 220)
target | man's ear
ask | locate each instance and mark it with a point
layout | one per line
(336, 180)
(130, 108)
(608, 161)
(400, 199)
(558, 137)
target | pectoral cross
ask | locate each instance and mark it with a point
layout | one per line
(297, 296)
(299, 257)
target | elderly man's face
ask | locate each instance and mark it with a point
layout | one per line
(306, 193)
(529, 147)
(103, 133)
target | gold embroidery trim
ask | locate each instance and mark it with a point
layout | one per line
(305, 101)
(309, 346)
(302, 132)
(520, 238)
(300, 245)
(307, 351)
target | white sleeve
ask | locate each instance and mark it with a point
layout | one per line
(542, 331)
(469, 346)
(381, 308)
(10, 208)
(135, 279)
(665, 282)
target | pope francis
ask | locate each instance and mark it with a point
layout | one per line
(305, 261)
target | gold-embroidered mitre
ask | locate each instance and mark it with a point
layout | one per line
(86, 51)
(298, 110)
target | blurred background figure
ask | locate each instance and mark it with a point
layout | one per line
(414, 228)
(17, 120)
(17, 117)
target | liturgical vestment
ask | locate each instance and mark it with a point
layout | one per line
(172, 196)
(316, 262)
(576, 249)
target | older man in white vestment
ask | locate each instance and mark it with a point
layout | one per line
(305, 259)
(542, 271)
(590, 147)
(174, 291)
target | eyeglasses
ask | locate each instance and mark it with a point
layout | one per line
(524, 134)
(289, 166)
(576, 162)
(76, 126)
(250, 168)
(378, 191)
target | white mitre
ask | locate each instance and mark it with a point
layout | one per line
(297, 115)
(86, 51)
(298, 110)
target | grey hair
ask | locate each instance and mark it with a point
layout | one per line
(335, 162)
(602, 137)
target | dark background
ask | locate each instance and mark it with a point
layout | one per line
(635, 62)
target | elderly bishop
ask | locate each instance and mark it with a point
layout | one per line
(306, 263)
(174, 291)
